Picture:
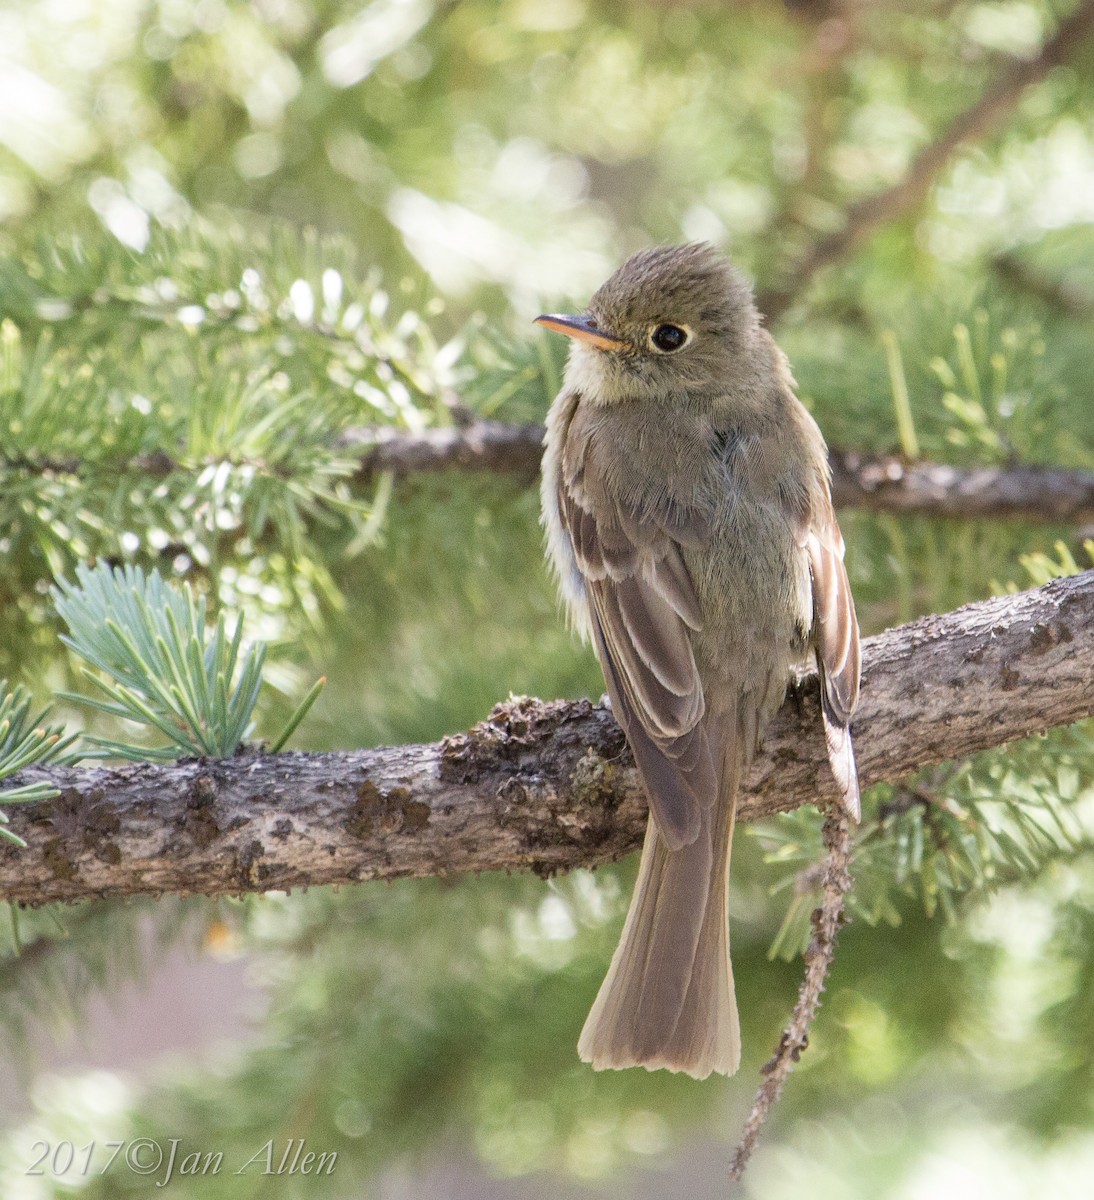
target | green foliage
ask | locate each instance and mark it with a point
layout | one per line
(1042, 568)
(956, 832)
(162, 668)
(24, 741)
(180, 363)
(185, 406)
(949, 835)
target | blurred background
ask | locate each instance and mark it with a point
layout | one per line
(229, 232)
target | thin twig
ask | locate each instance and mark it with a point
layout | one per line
(1068, 298)
(834, 39)
(974, 123)
(818, 958)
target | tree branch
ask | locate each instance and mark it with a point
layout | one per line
(886, 483)
(878, 483)
(1067, 298)
(479, 446)
(974, 123)
(538, 786)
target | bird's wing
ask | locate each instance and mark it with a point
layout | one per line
(643, 607)
(836, 637)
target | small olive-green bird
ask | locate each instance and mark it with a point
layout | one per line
(689, 517)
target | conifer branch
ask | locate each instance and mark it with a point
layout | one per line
(976, 122)
(478, 446)
(1016, 492)
(538, 786)
(877, 483)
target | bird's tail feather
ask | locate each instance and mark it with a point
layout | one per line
(668, 998)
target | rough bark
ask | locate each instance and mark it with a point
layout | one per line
(878, 483)
(538, 786)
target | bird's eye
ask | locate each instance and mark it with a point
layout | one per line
(669, 338)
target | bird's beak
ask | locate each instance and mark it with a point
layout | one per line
(582, 329)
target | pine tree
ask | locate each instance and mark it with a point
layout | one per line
(238, 455)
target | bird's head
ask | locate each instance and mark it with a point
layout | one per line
(672, 320)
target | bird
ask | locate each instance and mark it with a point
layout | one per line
(686, 500)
